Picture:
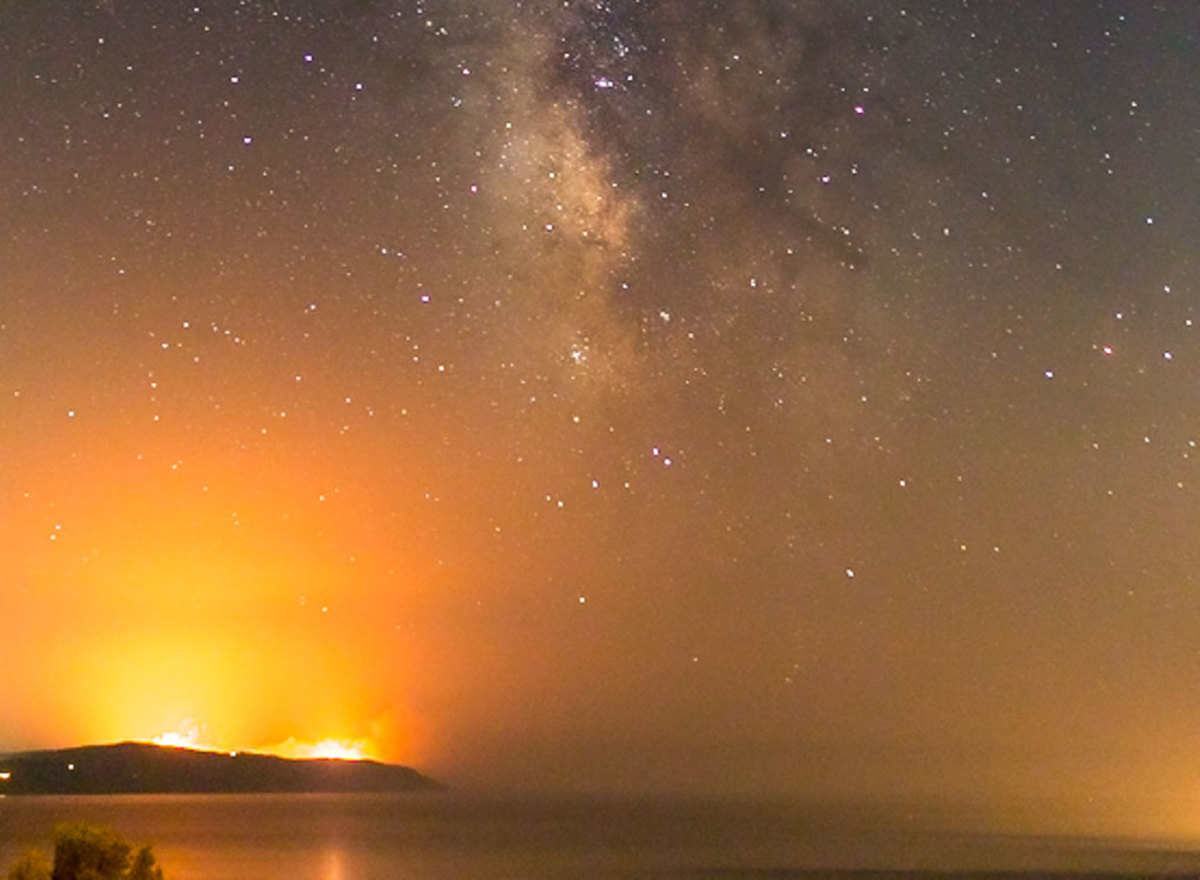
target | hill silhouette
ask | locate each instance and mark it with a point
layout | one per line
(142, 768)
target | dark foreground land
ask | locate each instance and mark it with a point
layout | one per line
(140, 768)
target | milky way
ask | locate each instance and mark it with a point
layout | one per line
(786, 396)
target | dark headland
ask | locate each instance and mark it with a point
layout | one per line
(141, 768)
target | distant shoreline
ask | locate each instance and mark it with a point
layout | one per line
(144, 768)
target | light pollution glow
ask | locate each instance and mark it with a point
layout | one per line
(708, 396)
(175, 568)
(327, 748)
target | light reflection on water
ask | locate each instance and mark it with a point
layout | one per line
(332, 868)
(440, 837)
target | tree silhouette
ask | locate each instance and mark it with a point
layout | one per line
(88, 852)
(31, 866)
(144, 867)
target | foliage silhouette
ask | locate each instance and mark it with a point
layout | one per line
(88, 852)
(31, 866)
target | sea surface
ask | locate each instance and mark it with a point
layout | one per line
(449, 837)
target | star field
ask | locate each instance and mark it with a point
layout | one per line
(716, 395)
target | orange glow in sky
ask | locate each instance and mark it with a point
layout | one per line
(606, 414)
(344, 750)
(197, 614)
(179, 741)
(188, 737)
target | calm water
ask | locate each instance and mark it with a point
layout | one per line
(440, 837)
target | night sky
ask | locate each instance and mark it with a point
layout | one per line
(681, 395)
